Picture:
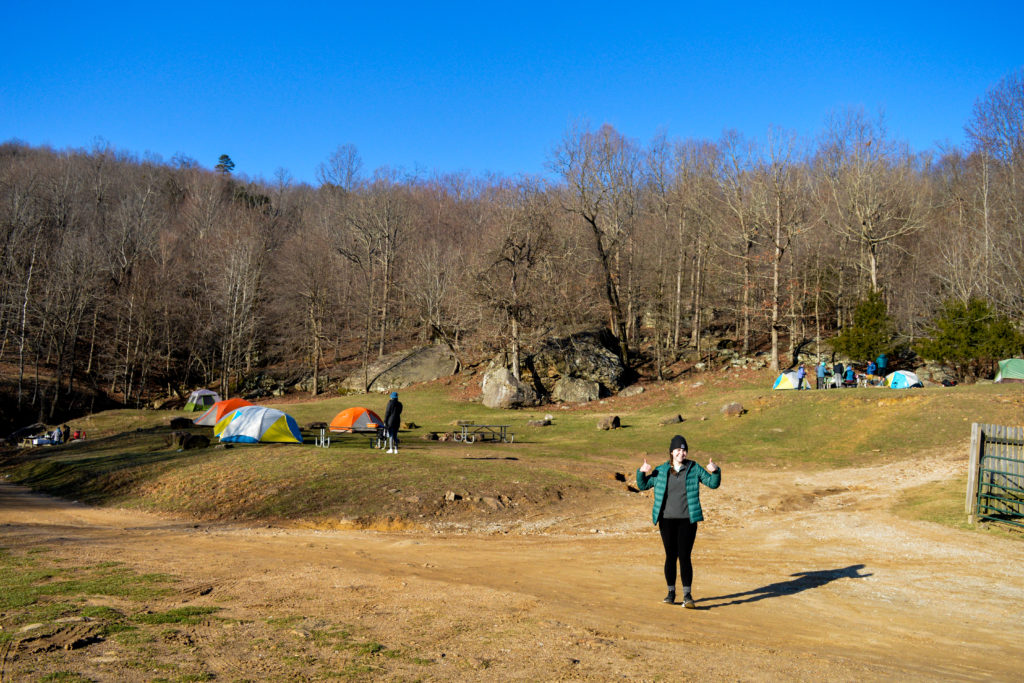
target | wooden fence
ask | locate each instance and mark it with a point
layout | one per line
(995, 478)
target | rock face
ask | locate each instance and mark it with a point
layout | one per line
(585, 355)
(502, 390)
(399, 370)
(575, 390)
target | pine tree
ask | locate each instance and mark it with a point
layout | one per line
(224, 165)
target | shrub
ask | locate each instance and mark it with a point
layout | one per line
(970, 337)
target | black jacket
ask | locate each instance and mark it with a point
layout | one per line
(393, 415)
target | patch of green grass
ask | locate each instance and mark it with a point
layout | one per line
(134, 637)
(370, 648)
(65, 677)
(939, 502)
(190, 615)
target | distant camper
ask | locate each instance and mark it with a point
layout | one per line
(392, 421)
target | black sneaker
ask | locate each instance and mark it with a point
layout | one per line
(688, 602)
(670, 598)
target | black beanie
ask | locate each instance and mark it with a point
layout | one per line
(677, 442)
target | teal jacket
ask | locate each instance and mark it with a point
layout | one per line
(695, 476)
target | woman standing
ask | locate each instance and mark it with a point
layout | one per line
(677, 509)
(392, 421)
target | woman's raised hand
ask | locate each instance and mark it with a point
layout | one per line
(646, 467)
(712, 467)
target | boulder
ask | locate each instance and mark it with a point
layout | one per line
(609, 422)
(398, 370)
(182, 423)
(591, 356)
(631, 390)
(575, 390)
(674, 419)
(502, 390)
(733, 410)
(194, 441)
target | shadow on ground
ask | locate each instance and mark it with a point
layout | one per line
(802, 581)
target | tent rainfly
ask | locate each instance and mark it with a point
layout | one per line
(902, 379)
(201, 399)
(787, 380)
(218, 410)
(356, 420)
(1011, 370)
(257, 424)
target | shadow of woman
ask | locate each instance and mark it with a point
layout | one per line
(802, 581)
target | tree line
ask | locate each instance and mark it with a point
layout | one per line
(135, 276)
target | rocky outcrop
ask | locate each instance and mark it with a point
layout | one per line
(399, 370)
(575, 390)
(585, 355)
(502, 390)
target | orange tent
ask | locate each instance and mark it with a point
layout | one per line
(356, 420)
(219, 410)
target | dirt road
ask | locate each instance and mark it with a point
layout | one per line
(798, 576)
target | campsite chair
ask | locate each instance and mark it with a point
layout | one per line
(850, 382)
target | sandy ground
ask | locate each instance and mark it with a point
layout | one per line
(798, 576)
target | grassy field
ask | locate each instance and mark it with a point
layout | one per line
(128, 459)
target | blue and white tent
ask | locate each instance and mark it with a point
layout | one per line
(787, 380)
(256, 424)
(902, 379)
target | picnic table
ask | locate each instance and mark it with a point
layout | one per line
(469, 432)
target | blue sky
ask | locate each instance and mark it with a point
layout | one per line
(475, 87)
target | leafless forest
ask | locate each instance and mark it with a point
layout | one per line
(129, 277)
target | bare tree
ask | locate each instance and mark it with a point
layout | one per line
(735, 163)
(507, 283)
(601, 172)
(872, 189)
(780, 199)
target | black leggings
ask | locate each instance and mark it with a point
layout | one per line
(677, 535)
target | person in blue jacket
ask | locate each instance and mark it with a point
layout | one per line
(677, 510)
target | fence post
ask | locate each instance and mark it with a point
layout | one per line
(972, 472)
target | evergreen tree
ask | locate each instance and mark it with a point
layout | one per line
(224, 165)
(971, 338)
(872, 332)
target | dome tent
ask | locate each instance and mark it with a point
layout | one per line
(787, 380)
(1011, 370)
(356, 419)
(902, 379)
(257, 424)
(218, 410)
(201, 399)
